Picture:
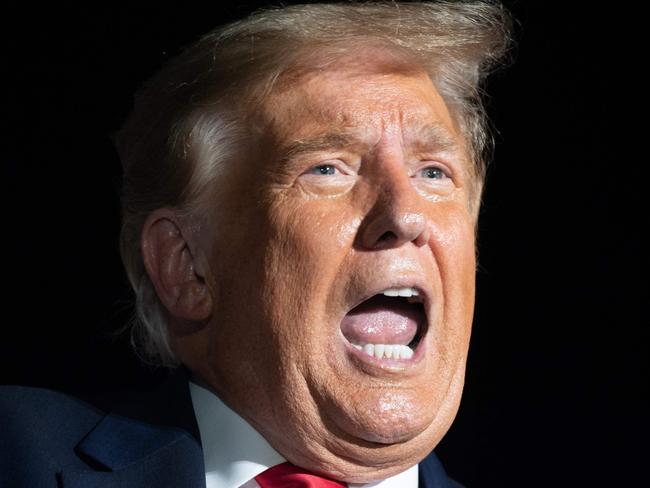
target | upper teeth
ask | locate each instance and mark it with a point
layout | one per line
(401, 292)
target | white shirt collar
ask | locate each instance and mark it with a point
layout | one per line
(234, 452)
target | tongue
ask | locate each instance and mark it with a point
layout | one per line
(382, 320)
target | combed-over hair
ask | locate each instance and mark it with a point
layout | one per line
(190, 117)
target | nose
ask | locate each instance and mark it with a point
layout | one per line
(396, 218)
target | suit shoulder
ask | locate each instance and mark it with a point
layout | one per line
(40, 429)
(38, 407)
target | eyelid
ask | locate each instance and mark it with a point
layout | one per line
(314, 170)
(338, 164)
(446, 169)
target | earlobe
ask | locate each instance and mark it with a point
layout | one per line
(172, 267)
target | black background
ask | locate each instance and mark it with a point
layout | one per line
(558, 369)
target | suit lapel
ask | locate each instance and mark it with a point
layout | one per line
(174, 464)
(151, 440)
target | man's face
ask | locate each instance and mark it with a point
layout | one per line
(358, 188)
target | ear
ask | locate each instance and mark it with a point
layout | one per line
(173, 269)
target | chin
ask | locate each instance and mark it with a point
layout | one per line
(364, 461)
(384, 417)
(374, 436)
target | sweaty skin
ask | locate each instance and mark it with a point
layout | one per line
(359, 182)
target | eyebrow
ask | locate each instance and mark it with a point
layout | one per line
(434, 136)
(427, 137)
(331, 140)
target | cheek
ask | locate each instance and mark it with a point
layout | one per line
(452, 242)
(307, 244)
(310, 237)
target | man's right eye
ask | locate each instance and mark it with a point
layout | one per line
(323, 170)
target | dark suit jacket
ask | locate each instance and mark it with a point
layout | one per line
(48, 439)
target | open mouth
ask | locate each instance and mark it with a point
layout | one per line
(388, 325)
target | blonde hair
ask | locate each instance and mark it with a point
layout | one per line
(189, 118)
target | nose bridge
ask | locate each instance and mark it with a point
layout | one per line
(396, 216)
(390, 175)
(395, 193)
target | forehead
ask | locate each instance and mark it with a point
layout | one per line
(358, 101)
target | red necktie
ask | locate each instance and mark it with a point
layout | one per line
(286, 475)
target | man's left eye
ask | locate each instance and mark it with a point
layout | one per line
(433, 172)
(323, 170)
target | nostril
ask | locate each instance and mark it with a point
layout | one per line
(386, 237)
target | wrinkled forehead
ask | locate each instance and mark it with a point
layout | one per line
(351, 99)
(371, 85)
(357, 105)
